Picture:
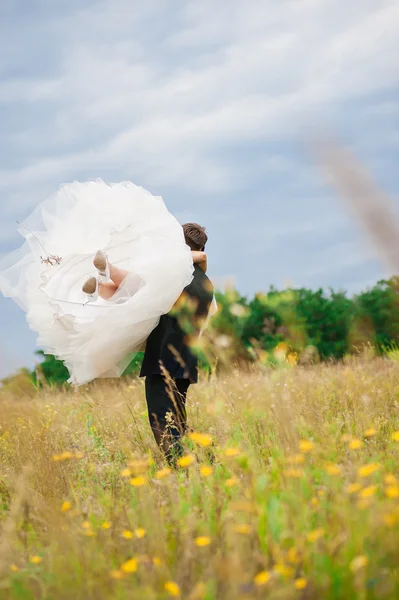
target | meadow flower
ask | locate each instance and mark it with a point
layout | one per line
(301, 583)
(370, 432)
(353, 488)
(162, 473)
(172, 588)
(231, 482)
(315, 535)
(66, 506)
(202, 541)
(106, 525)
(368, 491)
(242, 528)
(358, 563)
(205, 471)
(126, 472)
(156, 561)
(367, 470)
(186, 461)
(138, 481)
(36, 560)
(392, 491)
(231, 452)
(201, 439)
(262, 578)
(293, 556)
(315, 501)
(127, 534)
(296, 459)
(116, 574)
(86, 525)
(14, 568)
(306, 446)
(333, 469)
(390, 479)
(395, 436)
(355, 444)
(140, 533)
(130, 566)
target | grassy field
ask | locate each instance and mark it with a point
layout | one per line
(294, 496)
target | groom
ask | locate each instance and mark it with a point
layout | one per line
(169, 364)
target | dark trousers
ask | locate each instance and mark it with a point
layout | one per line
(166, 402)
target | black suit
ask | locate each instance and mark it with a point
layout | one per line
(170, 365)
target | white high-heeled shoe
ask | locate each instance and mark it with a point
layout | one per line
(101, 263)
(90, 288)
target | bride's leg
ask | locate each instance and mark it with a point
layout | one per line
(117, 275)
(106, 290)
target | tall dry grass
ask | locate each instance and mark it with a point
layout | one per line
(296, 497)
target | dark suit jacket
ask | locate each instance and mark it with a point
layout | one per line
(172, 332)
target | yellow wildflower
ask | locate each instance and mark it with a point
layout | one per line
(355, 444)
(392, 491)
(395, 436)
(127, 534)
(206, 471)
(306, 446)
(162, 473)
(138, 481)
(230, 452)
(315, 501)
(368, 491)
(157, 561)
(358, 563)
(89, 533)
(186, 461)
(333, 469)
(353, 488)
(390, 479)
(296, 459)
(370, 432)
(301, 583)
(315, 535)
(242, 528)
(14, 568)
(116, 574)
(106, 525)
(66, 506)
(367, 470)
(36, 560)
(140, 533)
(200, 438)
(262, 578)
(172, 588)
(202, 541)
(130, 566)
(86, 525)
(231, 482)
(126, 472)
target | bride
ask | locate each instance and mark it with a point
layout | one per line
(99, 266)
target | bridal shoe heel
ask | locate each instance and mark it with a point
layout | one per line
(101, 263)
(90, 288)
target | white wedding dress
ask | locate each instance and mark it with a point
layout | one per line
(45, 276)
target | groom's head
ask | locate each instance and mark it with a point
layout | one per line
(195, 236)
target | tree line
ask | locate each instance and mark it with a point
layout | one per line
(292, 326)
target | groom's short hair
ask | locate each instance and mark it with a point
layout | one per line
(195, 236)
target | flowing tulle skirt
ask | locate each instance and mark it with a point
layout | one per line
(45, 276)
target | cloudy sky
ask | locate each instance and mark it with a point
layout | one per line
(210, 104)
